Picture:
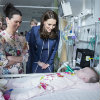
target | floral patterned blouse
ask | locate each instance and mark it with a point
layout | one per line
(12, 46)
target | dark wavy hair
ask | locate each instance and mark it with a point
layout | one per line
(54, 33)
(10, 10)
(95, 78)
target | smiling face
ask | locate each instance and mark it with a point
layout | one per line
(49, 25)
(14, 23)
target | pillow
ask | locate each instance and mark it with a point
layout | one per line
(25, 93)
(23, 82)
(3, 82)
(97, 68)
(1, 96)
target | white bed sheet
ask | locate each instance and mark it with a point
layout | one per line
(84, 91)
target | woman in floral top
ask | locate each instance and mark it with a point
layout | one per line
(13, 51)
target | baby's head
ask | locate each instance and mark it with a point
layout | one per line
(88, 75)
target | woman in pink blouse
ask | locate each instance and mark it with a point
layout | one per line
(13, 52)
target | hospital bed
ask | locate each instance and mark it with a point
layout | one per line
(81, 92)
(87, 91)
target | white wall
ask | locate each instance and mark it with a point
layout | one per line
(25, 26)
(95, 6)
(77, 7)
(91, 19)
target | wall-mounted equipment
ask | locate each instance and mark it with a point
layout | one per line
(85, 13)
(66, 8)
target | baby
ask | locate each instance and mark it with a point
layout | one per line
(88, 75)
(35, 86)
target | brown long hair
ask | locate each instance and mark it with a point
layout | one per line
(54, 33)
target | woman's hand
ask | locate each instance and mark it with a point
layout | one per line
(13, 60)
(43, 65)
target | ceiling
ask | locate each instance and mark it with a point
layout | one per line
(30, 9)
(35, 8)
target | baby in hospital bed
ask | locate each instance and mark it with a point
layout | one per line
(27, 87)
